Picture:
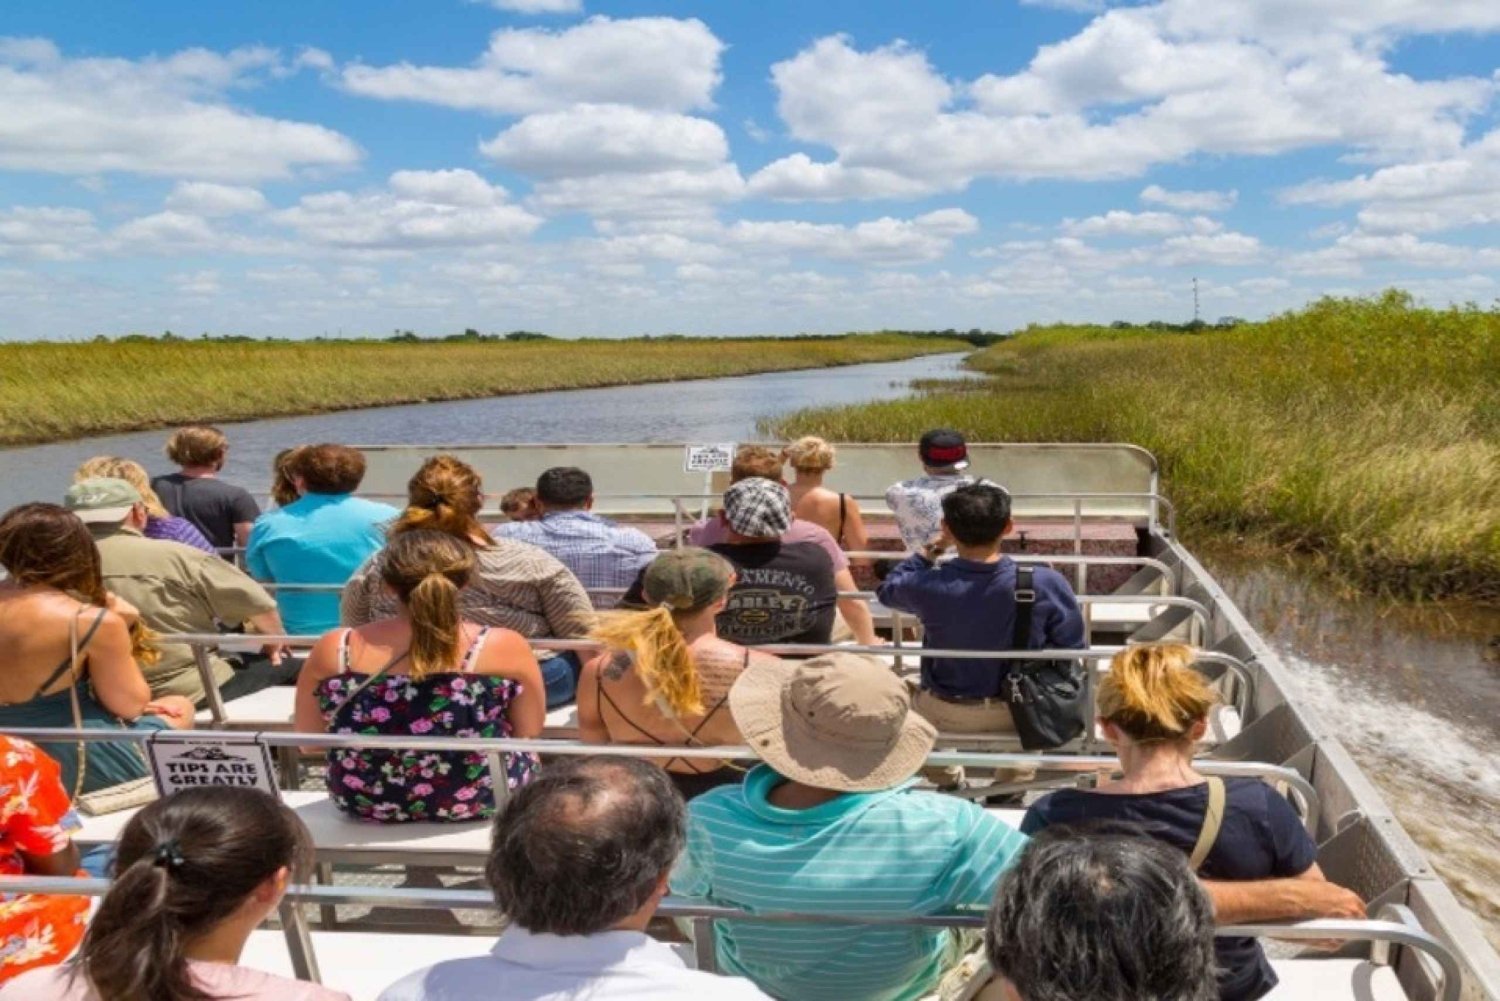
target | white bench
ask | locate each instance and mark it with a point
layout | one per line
(1335, 979)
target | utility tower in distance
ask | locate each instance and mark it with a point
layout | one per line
(1196, 316)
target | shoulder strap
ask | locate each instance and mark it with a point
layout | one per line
(472, 654)
(344, 663)
(1213, 819)
(76, 644)
(369, 680)
(1025, 600)
(843, 516)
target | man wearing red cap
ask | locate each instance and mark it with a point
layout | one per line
(918, 503)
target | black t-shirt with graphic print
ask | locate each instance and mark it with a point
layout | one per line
(785, 593)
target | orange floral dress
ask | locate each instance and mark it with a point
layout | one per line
(35, 818)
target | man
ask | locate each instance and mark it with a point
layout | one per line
(601, 554)
(1102, 917)
(831, 824)
(758, 461)
(579, 863)
(320, 538)
(222, 511)
(916, 503)
(969, 603)
(178, 589)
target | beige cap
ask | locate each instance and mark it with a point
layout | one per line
(838, 721)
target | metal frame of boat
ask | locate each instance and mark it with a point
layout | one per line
(1361, 843)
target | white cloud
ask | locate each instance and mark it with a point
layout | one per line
(649, 62)
(671, 194)
(197, 283)
(1220, 249)
(799, 178)
(208, 199)
(1348, 254)
(159, 116)
(885, 240)
(420, 209)
(538, 6)
(589, 139)
(46, 233)
(1121, 223)
(1189, 201)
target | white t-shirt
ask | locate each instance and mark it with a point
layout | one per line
(918, 506)
(607, 966)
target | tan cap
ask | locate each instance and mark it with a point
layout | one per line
(838, 721)
(101, 500)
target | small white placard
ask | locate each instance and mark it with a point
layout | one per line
(709, 458)
(184, 761)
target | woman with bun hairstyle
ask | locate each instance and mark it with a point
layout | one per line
(514, 585)
(425, 671)
(1153, 707)
(664, 676)
(196, 873)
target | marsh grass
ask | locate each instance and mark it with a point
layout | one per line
(1366, 430)
(51, 391)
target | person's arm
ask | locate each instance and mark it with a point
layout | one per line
(256, 563)
(983, 847)
(856, 611)
(856, 536)
(238, 599)
(903, 587)
(244, 512)
(1294, 898)
(322, 662)
(41, 825)
(1063, 629)
(117, 680)
(591, 728)
(506, 654)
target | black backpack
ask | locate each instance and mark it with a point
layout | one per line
(1046, 698)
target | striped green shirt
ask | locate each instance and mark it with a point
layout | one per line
(894, 853)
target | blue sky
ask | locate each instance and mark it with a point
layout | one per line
(585, 167)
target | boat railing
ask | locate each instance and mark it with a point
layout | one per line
(1393, 927)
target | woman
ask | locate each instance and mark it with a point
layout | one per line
(283, 476)
(810, 458)
(197, 872)
(1153, 707)
(35, 821)
(160, 524)
(425, 671)
(53, 599)
(665, 675)
(516, 585)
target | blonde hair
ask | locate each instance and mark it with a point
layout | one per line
(809, 455)
(115, 468)
(445, 495)
(198, 445)
(427, 569)
(1153, 693)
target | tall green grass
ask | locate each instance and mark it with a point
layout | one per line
(50, 391)
(1366, 430)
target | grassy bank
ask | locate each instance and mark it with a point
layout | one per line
(53, 391)
(1367, 431)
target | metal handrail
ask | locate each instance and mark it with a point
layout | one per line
(700, 912)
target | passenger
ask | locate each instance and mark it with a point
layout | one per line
(579, 864)
(519, 504)
(831, 824)
(969, 603)
(177, 590)
(758, 461)
(159, 523)
(283, 471)
(1101, 917)
(222, 511)
(321, 538)
(197, 872)
(603, 555)
(515, 585)
(917, 503)
(1153, 707)
(36, 824)
(665, 675)
(424, 672)
(838, 513)
(53, 597)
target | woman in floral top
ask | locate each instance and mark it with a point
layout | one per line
(35, 821)
(424, 672)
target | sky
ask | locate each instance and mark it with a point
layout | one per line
(583, 167)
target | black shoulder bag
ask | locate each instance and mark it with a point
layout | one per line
(1045, 697)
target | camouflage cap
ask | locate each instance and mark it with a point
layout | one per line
(686, 579)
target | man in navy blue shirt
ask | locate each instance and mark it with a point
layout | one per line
(969, 603)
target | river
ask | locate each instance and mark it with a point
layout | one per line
(1413, 693)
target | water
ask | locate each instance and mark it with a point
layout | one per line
(1412, 692)
(697, 410)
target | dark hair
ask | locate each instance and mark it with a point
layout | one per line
(564, 486)
(757, 460)
(185, 864)
(1102, 915)
(585, 845)
(283, 468)
(517, 501)
(47, 544)
(331, 469)
(976, 514)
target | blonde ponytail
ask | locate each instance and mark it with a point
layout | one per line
(435, 625)
(427, 570)
(1153, 693)
(661, 656)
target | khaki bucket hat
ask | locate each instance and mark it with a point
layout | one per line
(838, 721)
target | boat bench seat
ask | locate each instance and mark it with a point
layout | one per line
(1335, 979)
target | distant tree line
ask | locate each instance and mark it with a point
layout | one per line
(977, 337)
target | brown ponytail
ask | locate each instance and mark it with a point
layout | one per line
(427, 569)
(659, 653)
(186, 863)
(445, 495)
(1153, 693)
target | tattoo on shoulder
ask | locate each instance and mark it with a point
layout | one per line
(619, 663)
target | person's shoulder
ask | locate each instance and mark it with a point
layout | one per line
(472, 976)
(1251, 795)
(48, 983)
(242, 981)
(806, 530)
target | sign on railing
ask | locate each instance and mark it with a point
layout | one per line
(182, 761)
(708, 458)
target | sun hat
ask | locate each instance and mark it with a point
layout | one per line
(687, 578)
(942, 448)
(101, 500)
(758, 507)
(838, 721)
